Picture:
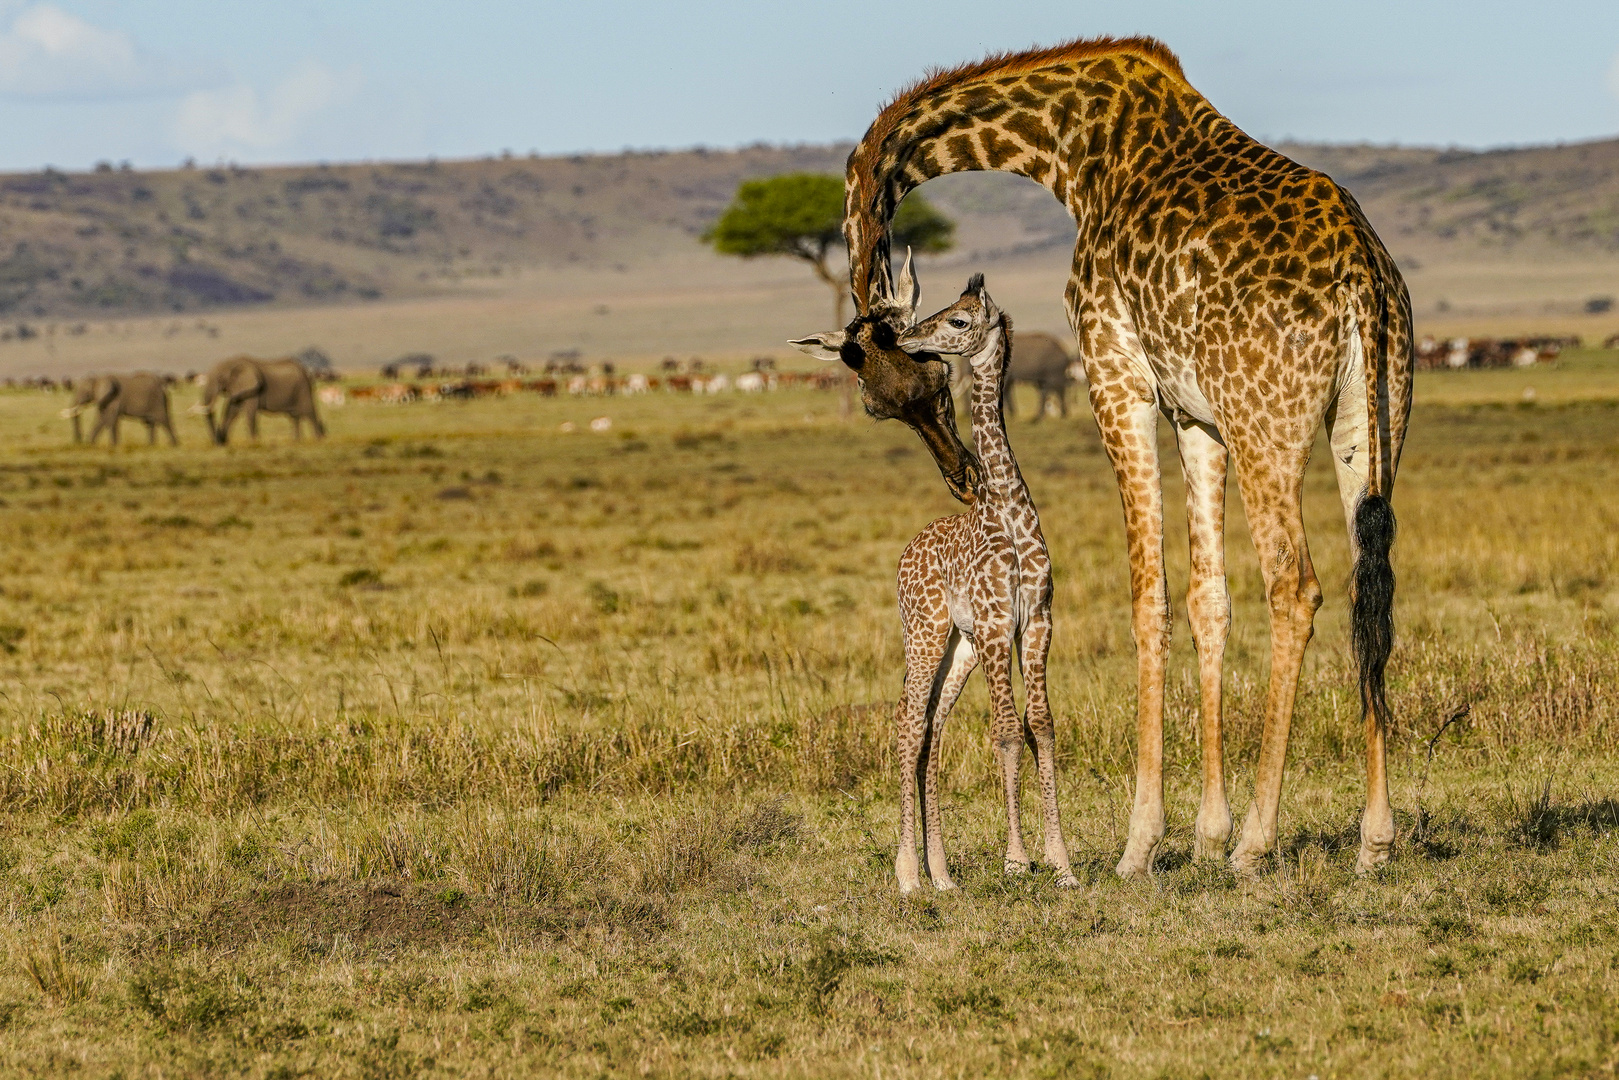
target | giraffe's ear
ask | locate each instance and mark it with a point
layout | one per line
(826, 346)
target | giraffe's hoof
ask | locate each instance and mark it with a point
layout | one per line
(943, 884)
(1210, 848)
(1246, 861)
(1014, 867)
(1139, 852)
(1372, 858)
(1067, 880)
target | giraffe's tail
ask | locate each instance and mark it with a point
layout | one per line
(1372, 608)
(1372, 615)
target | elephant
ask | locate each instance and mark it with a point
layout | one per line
(248, 387)
(1039, 360)
(140, 396)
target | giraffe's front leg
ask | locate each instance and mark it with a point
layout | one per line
(1005, 732)
(1042, 736)
(910, 724)
(1127, 413)
(1271, 495)
(1208, 604)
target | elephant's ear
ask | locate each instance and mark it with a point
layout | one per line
(243, 380)
(106, 388)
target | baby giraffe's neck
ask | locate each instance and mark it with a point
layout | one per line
(1001, 479)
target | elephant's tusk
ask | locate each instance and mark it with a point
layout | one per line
(198, 409)
(70, 413)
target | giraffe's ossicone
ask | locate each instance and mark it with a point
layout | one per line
(973, 588)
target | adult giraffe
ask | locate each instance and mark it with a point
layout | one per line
(1240, 294)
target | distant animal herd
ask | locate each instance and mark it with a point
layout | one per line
(243, 387)
(1482, 352)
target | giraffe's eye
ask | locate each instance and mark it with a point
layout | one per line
(959, 323)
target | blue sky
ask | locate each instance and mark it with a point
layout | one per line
(156, 81)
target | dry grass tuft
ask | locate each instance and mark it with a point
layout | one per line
(61, 981)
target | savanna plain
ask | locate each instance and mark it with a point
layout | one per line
(457, 744)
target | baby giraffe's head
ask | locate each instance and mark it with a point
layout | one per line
(962, 329)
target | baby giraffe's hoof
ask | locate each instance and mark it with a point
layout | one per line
(943, 884)
(1066, 880)
(1015, 867)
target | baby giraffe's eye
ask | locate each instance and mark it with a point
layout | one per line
(959, 323)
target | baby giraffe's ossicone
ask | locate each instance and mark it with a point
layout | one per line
(972, 588)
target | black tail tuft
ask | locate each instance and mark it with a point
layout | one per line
(1372, 621)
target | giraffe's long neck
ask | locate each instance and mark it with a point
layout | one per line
(1093, 131)
(1002, 484)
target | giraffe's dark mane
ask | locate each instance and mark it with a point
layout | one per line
(994, 65)
(862, 172)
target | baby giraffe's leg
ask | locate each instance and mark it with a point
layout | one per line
(924, 655)
(1042, 735)
(1006, 735)
(959, 661)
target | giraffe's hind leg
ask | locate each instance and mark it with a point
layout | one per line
(1348, 432)
(925, 656)
(1208, 606)
(959, 661)
(1040, 731)
(1006, 737)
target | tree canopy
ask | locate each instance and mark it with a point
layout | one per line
(801, 215)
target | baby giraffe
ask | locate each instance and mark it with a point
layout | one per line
(971, 587)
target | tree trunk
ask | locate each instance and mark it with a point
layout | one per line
(840, 289)
(840, 302)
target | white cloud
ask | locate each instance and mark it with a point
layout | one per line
(49, 54)
(239, 121)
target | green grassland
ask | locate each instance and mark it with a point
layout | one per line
(461, 745)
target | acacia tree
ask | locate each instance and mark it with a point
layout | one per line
(801, 215)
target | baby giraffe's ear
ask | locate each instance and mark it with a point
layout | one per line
(822, 346)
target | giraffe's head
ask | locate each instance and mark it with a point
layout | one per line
(962, 329)
(913, 388)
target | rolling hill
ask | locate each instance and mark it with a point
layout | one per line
(111, 242)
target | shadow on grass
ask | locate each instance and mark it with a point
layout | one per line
(1332, 841)
(1540, 824)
